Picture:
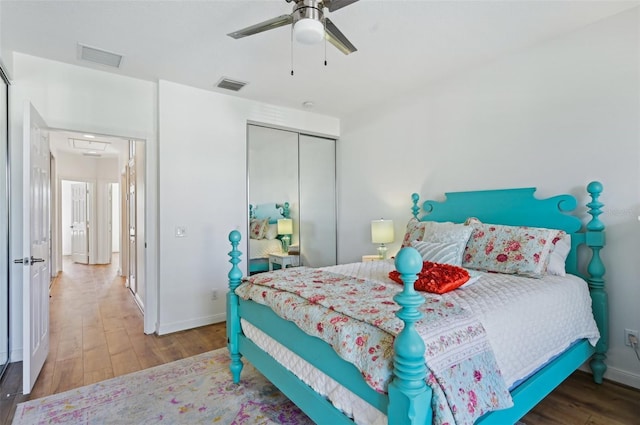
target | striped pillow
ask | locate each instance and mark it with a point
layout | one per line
(438, 252)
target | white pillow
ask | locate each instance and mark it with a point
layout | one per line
(443, 253)
(272, 232)
(448, 232)
(558, 257)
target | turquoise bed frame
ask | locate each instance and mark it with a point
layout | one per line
(409, 398)
(273, 211)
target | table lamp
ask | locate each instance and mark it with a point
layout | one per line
(285, 229)
(382, 233)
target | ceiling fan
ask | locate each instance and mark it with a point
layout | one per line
(309, 24)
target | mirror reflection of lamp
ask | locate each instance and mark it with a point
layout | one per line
(285, 229)
(382, 233)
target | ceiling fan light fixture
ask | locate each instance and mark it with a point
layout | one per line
(308, 31)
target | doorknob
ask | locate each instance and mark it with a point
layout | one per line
(29, 261)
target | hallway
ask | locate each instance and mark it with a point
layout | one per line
(97, 333)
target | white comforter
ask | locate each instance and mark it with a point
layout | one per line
(528, 322)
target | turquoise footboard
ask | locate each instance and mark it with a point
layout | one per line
(409, 398)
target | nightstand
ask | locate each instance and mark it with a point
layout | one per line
(284, 260)
(373, 257)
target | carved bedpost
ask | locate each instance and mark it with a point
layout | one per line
(233, 319)
(409, 396)
(415, 209)
(595, 240)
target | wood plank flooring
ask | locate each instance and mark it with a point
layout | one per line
(97, 333)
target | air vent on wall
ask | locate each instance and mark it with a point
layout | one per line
(93, 154)
(228, 84)
(100, 56)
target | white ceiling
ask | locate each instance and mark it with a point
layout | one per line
(401, 44)
(105, 146)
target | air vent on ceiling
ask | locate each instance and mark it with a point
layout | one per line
(228, 84)
(100, 56)
(92, 145)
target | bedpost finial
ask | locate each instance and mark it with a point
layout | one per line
(235, 274)
(415, 209)
(408, 261)
(594, 187)
(595, 206)
(234, 236)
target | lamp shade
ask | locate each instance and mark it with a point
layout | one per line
(382, 231)
(285, 226)
(308, 31)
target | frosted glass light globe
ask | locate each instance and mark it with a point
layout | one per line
(309, 31)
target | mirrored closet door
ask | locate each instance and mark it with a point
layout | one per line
(4, 225)
(299, 170)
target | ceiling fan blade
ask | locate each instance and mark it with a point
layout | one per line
(335, 37)
(262, 26)
(337, 4)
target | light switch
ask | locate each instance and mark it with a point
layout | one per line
(181, 232)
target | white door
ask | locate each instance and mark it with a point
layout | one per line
(36, 241)
(79, 239)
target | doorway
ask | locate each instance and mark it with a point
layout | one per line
(90, 222)
(98, 216)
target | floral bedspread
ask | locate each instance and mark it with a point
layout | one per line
(357, 318)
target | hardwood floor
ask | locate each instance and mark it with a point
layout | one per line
(97, 333)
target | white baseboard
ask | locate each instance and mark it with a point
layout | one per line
(168, 328)
(623, 377)
(16, 355)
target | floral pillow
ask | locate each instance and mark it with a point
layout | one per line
(258, 227)
(415, 232)
(510, 249)
(558, 256)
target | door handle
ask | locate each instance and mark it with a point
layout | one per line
(29, 261)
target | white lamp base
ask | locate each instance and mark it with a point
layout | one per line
(286, 240)
(382, 251)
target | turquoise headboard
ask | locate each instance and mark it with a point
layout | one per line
(272, 210)
(519, 207)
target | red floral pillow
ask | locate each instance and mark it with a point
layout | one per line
(436, 278)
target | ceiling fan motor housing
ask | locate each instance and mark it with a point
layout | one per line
(308, 21)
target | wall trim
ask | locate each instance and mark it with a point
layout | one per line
(623, 377)
(15, 356)
(168, 328)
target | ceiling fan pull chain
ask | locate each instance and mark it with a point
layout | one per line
(325, 41)
(291, 50)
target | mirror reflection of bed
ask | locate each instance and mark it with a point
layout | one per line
(264, 238)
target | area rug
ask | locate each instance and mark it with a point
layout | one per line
(196, 390)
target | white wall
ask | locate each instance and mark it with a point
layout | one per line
(202, 157)
(74, 98)
(556, 116)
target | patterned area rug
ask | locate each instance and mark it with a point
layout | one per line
(195, 390)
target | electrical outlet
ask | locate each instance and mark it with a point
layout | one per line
(214, 295)
(627, 334)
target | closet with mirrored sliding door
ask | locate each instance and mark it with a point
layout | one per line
(300, 169)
